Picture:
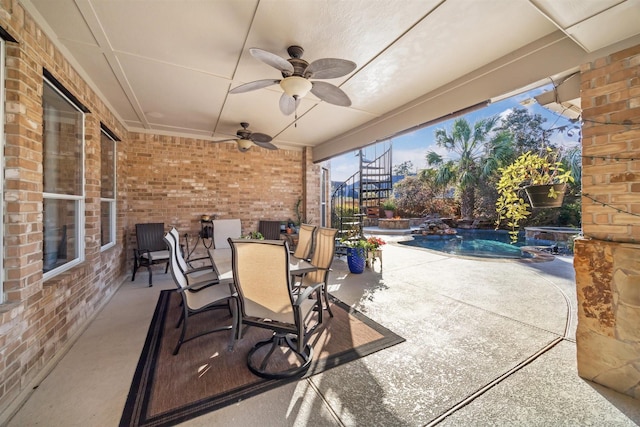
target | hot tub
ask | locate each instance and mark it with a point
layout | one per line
(393, 224)
(549, 236)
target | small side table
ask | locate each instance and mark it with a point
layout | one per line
(205, 235)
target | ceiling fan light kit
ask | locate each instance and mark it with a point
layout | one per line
(245, 139)
(295, 86)
(244, 144)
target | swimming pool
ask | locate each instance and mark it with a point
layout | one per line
(476, 243)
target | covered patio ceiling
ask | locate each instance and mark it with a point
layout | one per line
(166, 66)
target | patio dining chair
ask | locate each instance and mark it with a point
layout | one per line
(201, 297)
(322, 258)
(305, 241)
(224, 229)
(204, 274)
(151, 248)
(262, 276)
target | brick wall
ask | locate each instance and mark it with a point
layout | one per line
(159, 178)
(39, 318)
(176, 180)
(607, 260)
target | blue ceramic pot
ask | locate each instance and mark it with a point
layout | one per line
(356, 260)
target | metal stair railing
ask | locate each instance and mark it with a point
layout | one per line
(367, 188)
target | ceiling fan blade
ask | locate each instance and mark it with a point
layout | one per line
(330, 93)
(258, 84)
(264, 144)
(329, 68)
(226, 140)
(260, 137)
(288, 104)
(272, 59)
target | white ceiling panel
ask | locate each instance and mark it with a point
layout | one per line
(167, 66)
(570, 12)
(611, 26)
(200, 35)
(188, 99)
(96, 65)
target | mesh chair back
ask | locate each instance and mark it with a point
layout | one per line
(179, 258)
(178, 275)
(150, 236)
(270, 230)
(323, 252)
(305, 241)
(224, 229)
(261, 274)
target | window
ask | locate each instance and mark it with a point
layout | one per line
(63, 176)
(1, 164)
(324, 191)
(107, 190)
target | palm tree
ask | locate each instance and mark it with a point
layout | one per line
(479, 150)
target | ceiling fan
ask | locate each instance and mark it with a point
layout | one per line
(296, 73)
(245, 138)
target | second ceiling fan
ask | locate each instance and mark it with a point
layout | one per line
(296, 73)
(245, 139)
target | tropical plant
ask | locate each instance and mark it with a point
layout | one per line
(528, 169)
(480, 152)
(404, 168)
(254, 235)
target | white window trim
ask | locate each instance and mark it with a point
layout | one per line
(112, 201)
(80, 211)
(2, 160)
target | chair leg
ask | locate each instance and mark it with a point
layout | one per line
(180, 320)
(135, 267)
(184, 317)
(326, 299)
(302, 351)
(150, 276)
(166, 268)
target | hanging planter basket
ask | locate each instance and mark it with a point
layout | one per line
(539, 195)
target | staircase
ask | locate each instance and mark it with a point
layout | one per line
(360, 196)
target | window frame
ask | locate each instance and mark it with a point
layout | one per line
(79, 200)
(112, 201)
(2, 162)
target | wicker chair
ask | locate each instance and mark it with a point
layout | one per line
(151, 248)
(270, 230)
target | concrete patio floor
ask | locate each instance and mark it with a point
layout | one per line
(487, 343)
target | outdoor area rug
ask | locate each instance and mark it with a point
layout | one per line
(205, 375)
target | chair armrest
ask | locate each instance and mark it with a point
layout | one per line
(197, 269)
(307, 291)
(198, 286)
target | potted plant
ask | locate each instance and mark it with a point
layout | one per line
(373, 250)
(389, 207)
(256, 235)
(356, 254)
(542, 178)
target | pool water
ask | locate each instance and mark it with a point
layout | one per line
(477, 243)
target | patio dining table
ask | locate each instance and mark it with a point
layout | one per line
(221, 260)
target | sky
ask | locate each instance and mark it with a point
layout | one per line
(414, 146)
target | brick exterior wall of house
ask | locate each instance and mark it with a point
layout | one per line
(607, 260)
(159, 179)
